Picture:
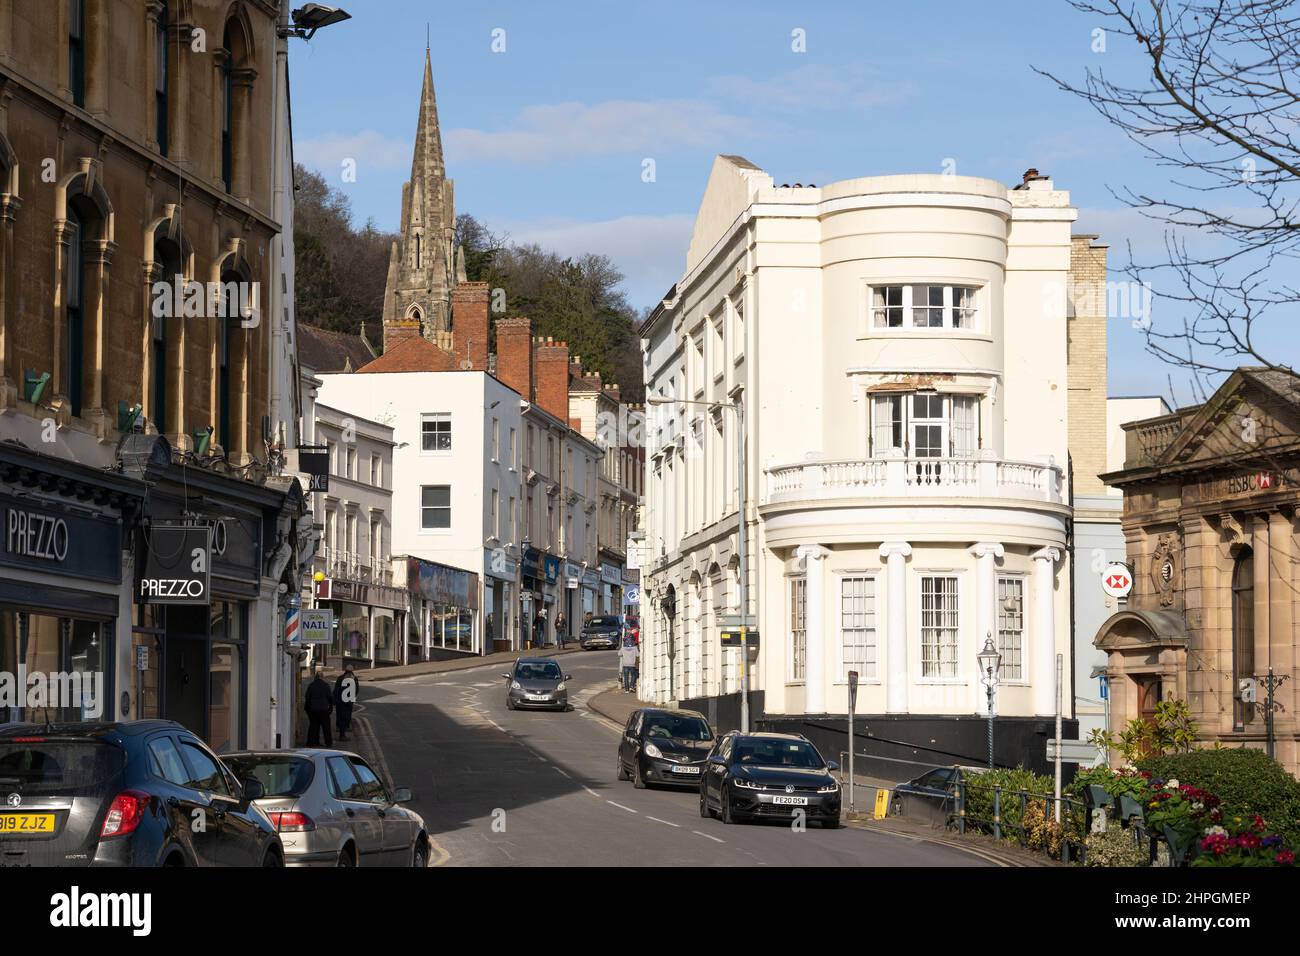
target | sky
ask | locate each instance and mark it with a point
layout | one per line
(549, 111)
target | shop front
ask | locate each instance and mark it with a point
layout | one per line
(64, 593)
(500, 577)
(590, 592)
(369, 620)
(541, 585)
(446, 602)
(611, 589)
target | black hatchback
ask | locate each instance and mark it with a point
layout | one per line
(664, 746)
(756, 776)
(133, 793)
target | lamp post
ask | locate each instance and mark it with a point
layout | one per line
(737, 406)
(990, 661)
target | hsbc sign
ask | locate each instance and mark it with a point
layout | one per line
(1117, 580)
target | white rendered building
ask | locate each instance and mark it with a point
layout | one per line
(900, 347)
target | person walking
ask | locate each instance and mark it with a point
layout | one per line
(318, 702)
(627, 660)
(345, 695)
(561, 629)
(539, 628)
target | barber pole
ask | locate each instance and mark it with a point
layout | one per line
(291, 634)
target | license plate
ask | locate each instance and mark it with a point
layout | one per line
(686, 769)
(26, 823)
(538, 697)
(791, 801)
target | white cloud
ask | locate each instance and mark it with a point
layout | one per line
(558, 130)
(816, 86)
(649, 250)
(369, 148)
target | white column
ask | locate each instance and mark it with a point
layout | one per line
(896, 553)
(986, 616)
(1043, 652)
(815, 630)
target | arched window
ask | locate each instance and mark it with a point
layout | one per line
(74, 339)
(227, 322)
(162, 75)
(1243, 634)
(168, 259)
(227, 110)
(77, 51)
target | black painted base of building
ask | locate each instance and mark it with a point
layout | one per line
(899, 747)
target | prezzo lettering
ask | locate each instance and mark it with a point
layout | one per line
(34, 535)
(171, 587)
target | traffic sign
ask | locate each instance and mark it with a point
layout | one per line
(1117, 580)
(317, 625)
(1072, 751)
(731, 637)
(733, 622)
(142, 657)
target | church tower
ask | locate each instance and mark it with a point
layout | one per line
(422, 263)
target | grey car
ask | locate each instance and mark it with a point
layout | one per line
(537, 682)
(331, 809)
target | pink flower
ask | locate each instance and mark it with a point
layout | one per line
(1284, 858)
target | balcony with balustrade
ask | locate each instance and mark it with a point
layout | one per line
(351, 566)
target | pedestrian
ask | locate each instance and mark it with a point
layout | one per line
(561, 629)
(627, 658)
(345, 695)
(539, 628)
(318, 702)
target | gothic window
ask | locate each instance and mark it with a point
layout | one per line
(74, 337)
(227, 112)
(161, 78)
(167, 256)
(77, 51)
(1243, 633)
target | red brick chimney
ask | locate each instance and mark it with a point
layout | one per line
(399, 330)
(469, 324)
(515, 355)
(553, 377)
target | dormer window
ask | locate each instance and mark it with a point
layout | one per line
(923, 306)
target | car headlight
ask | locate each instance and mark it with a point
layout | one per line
(829, 788)
(514, 685)
(560, 686)
(747, 784)
(652, 751)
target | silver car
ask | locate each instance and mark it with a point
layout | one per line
(537, 682)
(331, 809)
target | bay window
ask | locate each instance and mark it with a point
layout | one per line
(923, 306)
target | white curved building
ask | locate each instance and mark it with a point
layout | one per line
(900, 347)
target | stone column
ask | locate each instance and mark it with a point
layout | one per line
(896, 681)
(1043, 653)
(986, 615)
(817, 634)
(1264, 558)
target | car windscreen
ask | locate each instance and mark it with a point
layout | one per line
(58, 767)
(530, 671)
(280, 775)
(676, 725)
(798, 754)
(605, 622)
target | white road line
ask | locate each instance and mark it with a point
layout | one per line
(657, 820)
(590, 791)
(496, 725)
(558, 770)
(707, 837)
(628, 809)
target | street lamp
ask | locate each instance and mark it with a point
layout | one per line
(990, 661)
(310, 17)
(737, 406)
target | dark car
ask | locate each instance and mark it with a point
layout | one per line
(132, 793)
(933, 794)
(757, 776)
(664, 746)
(602, 633)
(537, 682)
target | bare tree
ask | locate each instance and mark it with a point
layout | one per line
(1217, 101)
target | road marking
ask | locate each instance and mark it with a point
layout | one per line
(657, 820)
(558, 770)
(496, 725)
(707, 837)
(628, 809)
(590, 791)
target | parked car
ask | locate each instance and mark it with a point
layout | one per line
(933, 794)
(331, 809)
(602, 633)
(664, 747)
(755, 776)
(130, 793)
(537, 682)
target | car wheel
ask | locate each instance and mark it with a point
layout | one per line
(638, 781)
(705, 812)
(621, 773)
(510, 704)
(724, 797)
(272, 859)
(348, 856)
(831, 823)
(420, 856)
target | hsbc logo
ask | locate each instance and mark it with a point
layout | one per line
(1117, 580)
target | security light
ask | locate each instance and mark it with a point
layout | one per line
(310, 17)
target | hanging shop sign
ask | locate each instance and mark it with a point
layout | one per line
(314, 462)
(317, 625)
(177, 565)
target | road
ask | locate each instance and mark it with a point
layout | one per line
(536, 788)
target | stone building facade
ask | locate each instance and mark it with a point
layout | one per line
(1212, 525)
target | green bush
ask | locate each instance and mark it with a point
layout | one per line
(1116, 847)
(1246, 781)
(979, 797)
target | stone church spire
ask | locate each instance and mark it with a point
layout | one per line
(422, 270)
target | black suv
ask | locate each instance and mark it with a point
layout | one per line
(133, 793)
(664, 746)
(604, 632)
(755, 776)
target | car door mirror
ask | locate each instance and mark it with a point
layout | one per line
(717, 761)
(252, 789)
(506, 676)
(832, 765)
(568, 677)
(402, 795)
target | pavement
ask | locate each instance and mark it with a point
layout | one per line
(537, 788)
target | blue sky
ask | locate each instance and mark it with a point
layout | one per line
(545, 141)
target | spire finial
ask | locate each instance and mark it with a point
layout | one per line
(426, 36)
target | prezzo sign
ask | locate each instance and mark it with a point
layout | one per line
(83, 546)
(31, 534)
(178, 565)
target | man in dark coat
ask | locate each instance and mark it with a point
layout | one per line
(345, 695)
(318, 702)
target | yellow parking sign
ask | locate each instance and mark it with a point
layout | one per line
(882, 803)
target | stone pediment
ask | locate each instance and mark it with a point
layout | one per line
(1254, 416)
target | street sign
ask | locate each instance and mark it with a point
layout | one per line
(142, 657)
(731, 637)
(853, 691)
(1072, 751)
(733, 622)
(1104, 681)
(882, 803)
(1117, 580)
(317, 625)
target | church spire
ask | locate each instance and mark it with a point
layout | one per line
(428, 137)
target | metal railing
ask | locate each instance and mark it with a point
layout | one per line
(1074, 817)
(352, 566)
